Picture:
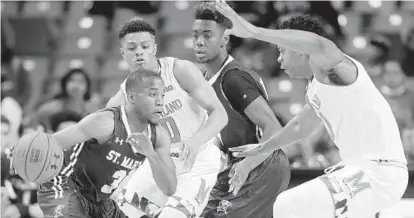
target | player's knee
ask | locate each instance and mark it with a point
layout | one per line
(283, 205)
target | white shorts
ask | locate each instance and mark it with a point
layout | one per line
(357, 190)
(193, 188)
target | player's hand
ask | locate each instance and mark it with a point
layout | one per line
(141, 143)
(241, 27)
(188, 155)
(248, 150)
(238, 175)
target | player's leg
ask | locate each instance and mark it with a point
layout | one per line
(57, 199)
(310, 199)
(364, 189)
(193, 188)
(359, 191)
(257, 195)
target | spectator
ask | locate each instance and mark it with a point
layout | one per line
(407, 62)
(10, 109)
(5, 131)
(75, 96)
(380, 47)
(63, 119)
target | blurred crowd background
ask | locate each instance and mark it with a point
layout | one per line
(60, 61)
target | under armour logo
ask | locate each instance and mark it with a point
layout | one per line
(223, 206)
(118, 140)
(58, 211)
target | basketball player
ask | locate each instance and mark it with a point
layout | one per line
(373, 173)
(109, 144)
(242, 184)
(187, 99)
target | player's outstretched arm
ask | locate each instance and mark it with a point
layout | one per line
(322, 52)
(191, 80)
(162, 166)
(98, 125)
(297, 129)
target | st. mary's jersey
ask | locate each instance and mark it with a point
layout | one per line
(240, 130)
(97, 169)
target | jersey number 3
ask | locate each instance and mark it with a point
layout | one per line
(118, 177)
(170, 124)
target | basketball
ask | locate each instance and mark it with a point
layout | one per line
(37, 157)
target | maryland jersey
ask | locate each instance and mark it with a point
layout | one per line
(182, 116)
(358, 119)
(97, 169)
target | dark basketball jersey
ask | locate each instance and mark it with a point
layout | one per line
(100, 168)
(240, 130)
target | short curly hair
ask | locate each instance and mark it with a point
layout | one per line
(135, 26)
(305, 23)
(207, 11)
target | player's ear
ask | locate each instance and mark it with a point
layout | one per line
(121, 50)
(226, 38)
(131, 97)
(155, 49)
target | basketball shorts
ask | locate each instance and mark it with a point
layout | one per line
(66, 201)
(257, 195)
(355, 190)
(193, 187)
(59, 201)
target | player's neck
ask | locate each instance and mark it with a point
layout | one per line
(214, 65)
(135, 123)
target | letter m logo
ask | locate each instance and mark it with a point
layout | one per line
(355, 183)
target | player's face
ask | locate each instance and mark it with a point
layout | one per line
(138, 50)
(76, 86)
(294, 64)
(150, 100)
(207, 40)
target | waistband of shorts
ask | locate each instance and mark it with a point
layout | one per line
(394, 163)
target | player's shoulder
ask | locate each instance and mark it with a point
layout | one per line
(105, 115)
(240, 75)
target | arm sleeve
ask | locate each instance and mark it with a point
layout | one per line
(240, 89)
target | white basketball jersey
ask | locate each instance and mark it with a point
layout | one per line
(358, 119)
(181, 115)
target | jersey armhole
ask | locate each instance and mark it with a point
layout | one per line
(154, 135)
(123, 90)
(173, 78)
(111, 109)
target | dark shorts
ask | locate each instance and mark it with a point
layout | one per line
(257, 195)
(67, 202)
(61, 201)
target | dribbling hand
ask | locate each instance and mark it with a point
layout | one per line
(241, 27)
(141, 143)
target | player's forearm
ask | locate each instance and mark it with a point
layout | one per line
(165, 178)
(217, 120)
(298, 40)
(291, 134)
(268, 131)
